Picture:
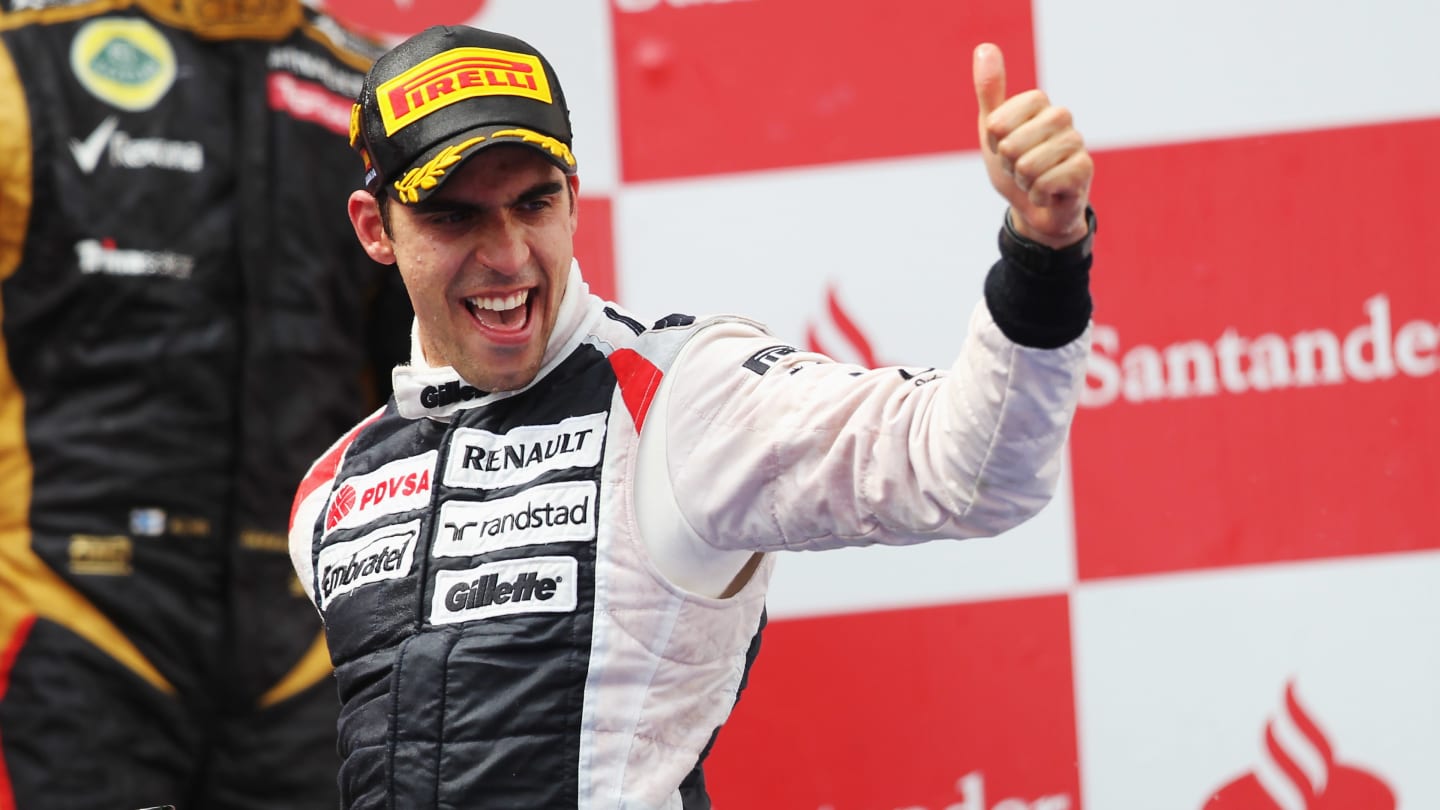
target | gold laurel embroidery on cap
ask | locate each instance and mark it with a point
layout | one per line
(354, 124)
(550, 144)
(428, 176)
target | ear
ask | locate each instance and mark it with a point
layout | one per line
(574, 181)
(364, 212)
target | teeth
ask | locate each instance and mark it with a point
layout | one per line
(509, 302)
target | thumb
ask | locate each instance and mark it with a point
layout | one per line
(989, 70)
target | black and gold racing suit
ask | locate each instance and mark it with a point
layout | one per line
(187, 321)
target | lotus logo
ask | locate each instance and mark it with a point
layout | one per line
(1298, 771)
(847, 336)
(401, 18)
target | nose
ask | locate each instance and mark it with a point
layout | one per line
(501, 246)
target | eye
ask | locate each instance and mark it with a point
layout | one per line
(535, 206)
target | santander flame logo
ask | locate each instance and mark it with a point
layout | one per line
(838, 322)
(1298, 771)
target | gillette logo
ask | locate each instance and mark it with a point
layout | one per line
(507, 588)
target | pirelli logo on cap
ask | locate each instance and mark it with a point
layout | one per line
(456, 75)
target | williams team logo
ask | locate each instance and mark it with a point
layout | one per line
(550, 513)
(126, 63)
(529, 585)
(1298, 771)
(386, 553)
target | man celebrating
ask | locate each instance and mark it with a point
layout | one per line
(542, 566)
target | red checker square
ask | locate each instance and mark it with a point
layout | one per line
(920, 708)
(1263, 387)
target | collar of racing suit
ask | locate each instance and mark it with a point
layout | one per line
(570, 325)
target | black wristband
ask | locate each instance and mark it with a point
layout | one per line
(1040, 296)
(1042, 258)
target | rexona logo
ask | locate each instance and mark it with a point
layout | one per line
(549, 513)
(534, 585)
(1298, 771)
(102, 256)
(386, 553)
(400, 486)
(127, 63)
(455, 75)
(1232, 363)
(481, 459)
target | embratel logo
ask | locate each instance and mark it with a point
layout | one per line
(400, 486)
(386, 553)
(481, 459)
(1298, 771)
(1238, 364)
(456, 75)
(127, 63)
(551, 513)
(534, 585)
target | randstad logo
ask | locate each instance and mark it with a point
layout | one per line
(126, 63)
(1298, 771)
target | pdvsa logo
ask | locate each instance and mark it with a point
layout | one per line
(127, 63)
(1298, 771)
(400, 486)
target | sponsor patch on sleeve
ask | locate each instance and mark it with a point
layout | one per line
(386, 553)
(506, 588)
(765, 359)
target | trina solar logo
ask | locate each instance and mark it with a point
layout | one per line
(455, 75)
(1298, 771)
(1236, 364)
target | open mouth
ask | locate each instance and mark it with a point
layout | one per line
(502, 313)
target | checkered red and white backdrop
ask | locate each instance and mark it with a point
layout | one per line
(1234, 601)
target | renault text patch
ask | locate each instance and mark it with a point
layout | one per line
(481, 459)
(533, 585)
(386, 553)
(399, 486)
(545, 514)
(455, 75)
(127, 63)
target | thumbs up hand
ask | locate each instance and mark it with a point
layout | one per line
(1034, 155)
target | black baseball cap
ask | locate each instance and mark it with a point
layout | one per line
(441, 96)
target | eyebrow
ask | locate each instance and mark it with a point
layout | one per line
(433, 205)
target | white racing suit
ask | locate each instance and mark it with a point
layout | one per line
(527, 601)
